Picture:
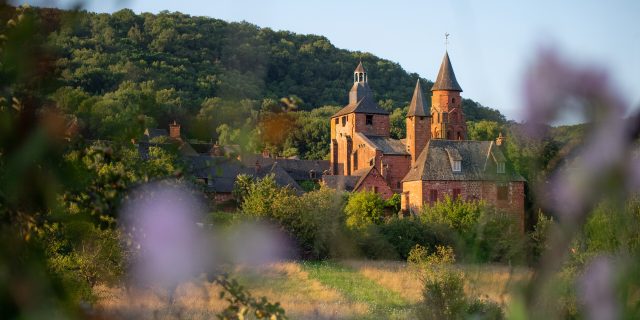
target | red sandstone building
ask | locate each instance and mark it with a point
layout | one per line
(435, 159)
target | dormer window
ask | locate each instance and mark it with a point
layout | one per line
(455, 159)
(500, 167)
(369, 120)
(457, 166)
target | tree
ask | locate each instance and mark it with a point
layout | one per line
(363, 209)
(483, 130)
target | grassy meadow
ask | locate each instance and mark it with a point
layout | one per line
(351, 289)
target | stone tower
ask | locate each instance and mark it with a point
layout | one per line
(418, 124)
(447, 118)
(361, 116)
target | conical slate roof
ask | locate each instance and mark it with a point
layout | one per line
(416, 108)
(359, 68)
(446, 78)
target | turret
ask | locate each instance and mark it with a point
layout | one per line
(447, 118)
(418, 124)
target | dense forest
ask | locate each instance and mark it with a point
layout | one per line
(122, 72)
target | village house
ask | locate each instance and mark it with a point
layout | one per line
(434, 161)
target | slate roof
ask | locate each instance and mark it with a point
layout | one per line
(417, 106)
(478, 160)
(296, 168)
(221, 172)
(446, 79)
(154, 133)
(385, 144)
(339, 182)
(364, 105)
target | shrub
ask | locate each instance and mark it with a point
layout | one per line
(393, 203)
(404, 234)
(538, 238)
(315, 220)
(483, 309)
(364, 208)
(372, 243)
(481, 233)
(443, 295)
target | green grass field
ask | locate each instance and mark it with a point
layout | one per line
(312, 290)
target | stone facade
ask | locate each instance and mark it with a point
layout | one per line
(434, 161)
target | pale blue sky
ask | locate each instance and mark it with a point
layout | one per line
(491, 43)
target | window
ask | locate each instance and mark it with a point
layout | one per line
(433, 195)
(398, 185)
(344, 120)
(355, 160)
(312, 174)
(445, 117)
(453, 100)
(500, 167)
(369, 120)
(503, 193)
(336, 121)
(457, 166)
(456, 193)
(375, 189)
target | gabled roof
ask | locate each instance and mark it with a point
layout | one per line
(446, 79)
(385, 144)
(221, 172)
(416, 107)
(367, 172)
(339, 182)
(364, 105)
(296, 168)
(478, 160)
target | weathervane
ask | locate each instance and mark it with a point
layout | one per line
(446, 41)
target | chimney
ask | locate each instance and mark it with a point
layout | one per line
(174, 130)
(500, 140)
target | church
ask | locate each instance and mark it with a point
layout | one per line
(435, 159)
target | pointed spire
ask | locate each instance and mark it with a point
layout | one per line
(360, 68)
(446, 78)
(416, 108)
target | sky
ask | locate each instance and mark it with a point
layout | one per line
(491, 43)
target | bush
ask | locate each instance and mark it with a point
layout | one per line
(443, 295)
(315, 220)
(482, 309)
(364, 208)
(373, 244)
(538, 238)
(404, 234)
(481, 233)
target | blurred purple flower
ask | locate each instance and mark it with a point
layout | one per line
(553, 85)
(171, 244)
(596, 290)
(161, 220)
(258, 244)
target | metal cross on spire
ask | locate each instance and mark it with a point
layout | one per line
(446, 41)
